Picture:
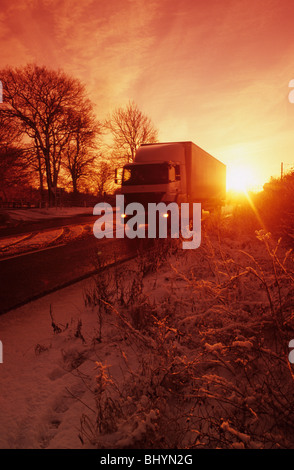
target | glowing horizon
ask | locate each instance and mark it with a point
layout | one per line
(215, 73)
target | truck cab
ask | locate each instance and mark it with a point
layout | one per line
(174, 172)
(157, 174)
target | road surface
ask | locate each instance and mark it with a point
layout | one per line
(28, 276)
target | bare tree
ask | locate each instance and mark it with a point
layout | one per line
(43, 101)
(80, 150)
(130, 128)
(13, 170)
(104, 178)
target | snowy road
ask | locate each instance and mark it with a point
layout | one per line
(24, 243)
(43, 262)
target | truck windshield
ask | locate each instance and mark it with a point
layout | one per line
(153, 173)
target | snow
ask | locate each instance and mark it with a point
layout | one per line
(50, 212)
(11, 246)
(214, 347)
(174, 350)
(33, 383)
(243, 344)
(243, 437)
(16, 244)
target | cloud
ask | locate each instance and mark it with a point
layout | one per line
(214, 72)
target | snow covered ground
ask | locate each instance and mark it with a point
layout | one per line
(182, 348)
(16, 244)
(33, 380)
(51, 212)
(42, 377)
(30, 241)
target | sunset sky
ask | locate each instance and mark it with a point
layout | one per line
(212, 71)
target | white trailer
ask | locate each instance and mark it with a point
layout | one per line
(174, 172)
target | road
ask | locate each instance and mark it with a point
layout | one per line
(27, 276)
(29, 270)
(36, 225)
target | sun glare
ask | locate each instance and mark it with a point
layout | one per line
(239, 179)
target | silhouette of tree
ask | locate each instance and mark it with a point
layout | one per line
(80, 150)
(104, 177)
(43, 102)
(13, 170)
(130, 128)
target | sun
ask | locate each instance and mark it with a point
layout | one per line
(239, 179)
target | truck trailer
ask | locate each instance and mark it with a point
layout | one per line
(174, 172)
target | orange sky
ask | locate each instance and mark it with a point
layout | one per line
(212, 71)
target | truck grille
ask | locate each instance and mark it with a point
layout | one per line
(143, 198)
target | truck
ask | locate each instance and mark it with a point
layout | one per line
(174, 172)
